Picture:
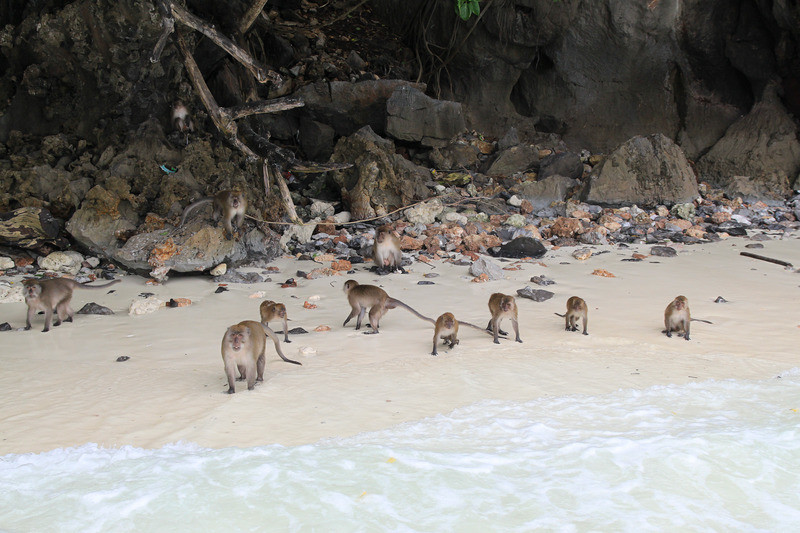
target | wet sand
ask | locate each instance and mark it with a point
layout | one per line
(65, 388)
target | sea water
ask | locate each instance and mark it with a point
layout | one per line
(710, 456)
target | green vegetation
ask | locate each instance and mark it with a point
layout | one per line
(467, 8)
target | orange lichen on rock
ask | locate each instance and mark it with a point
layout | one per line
(322, 328)
(603, 273)
(309, 305)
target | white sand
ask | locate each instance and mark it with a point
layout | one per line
(65, 388)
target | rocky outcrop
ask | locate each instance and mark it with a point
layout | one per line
(413, 116)
(543, 193)
(380, 180)
(645, 171)
(759, 156)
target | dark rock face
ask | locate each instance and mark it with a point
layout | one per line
(645, 171)
(413, 116)
(520, 247)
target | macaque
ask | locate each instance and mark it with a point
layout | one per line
(274, 311)
(363, 297)
(181, 119)
(51, 295)
(502, 306)
(446, 329)
(230, 204)
(576, 309)
(386, 251)
(243, 347)
(677, 317)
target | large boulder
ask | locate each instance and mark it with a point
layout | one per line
(347, 107)
(761, 146)
(645, 171)
(513, 160)
(379, 180)
(414, 116)
(543, 193)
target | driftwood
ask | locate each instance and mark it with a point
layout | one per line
(31, 228)
(768, 259)
(225, 118)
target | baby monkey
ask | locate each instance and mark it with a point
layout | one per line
(229, 204)
(181, 119)
(386, 251)
(363, 297)
(576, 309)
(677, 317)
(502, 306)
(50, 295)
(274, 311)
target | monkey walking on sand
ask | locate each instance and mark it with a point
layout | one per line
(502, 306)
(677, 317)
(50, 295)
(363, 297)
(576, 309)
(243, 349)
(230, 204)
(446, 328)
(274, 311)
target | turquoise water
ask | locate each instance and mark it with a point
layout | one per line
(711, 456)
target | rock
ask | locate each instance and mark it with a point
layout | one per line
(320, 209)
(93, 308)
(514, 160)
(567, 164)
(145, 305)
(9, 294)
(566, 227)
(537, 295)
(758, 154)
(519, 248)
(69, 262)
(542, 280)
(31, 228)
(647, 171)
(720, 300)
(424, 213)
(6, 263)
(542, 193)
(517, 221)
(316, 139)
(514, 201)
(685, 211)
(663, 251)
(122, 358)
(454, 155)
(5, 326)
(414, 116)
(582, 254)
(219, 270)
(234, 276)
(755, 245)
(484, 267)
(349, 106)
(380, 179)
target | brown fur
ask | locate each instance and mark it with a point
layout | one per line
(576, 309)
(181, 119)
(502, 306)
(274, 311)
(446, 329)
(386, 252)
(677, 317)
(230, 205)
(363, 297)
(243, 347)
(51, 295)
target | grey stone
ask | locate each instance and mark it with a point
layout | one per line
(93, 308)
(520, 247)
(663, 251)
(543, 193)
(567, 164)
(516, 159)
(414, 116)
(482, 266)
(537, 295)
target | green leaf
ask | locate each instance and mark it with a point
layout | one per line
(463, 11)
(474, 7)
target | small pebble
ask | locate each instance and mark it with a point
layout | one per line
(122, 358)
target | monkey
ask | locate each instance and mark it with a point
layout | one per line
(446, 329)
(386, 251)
(251, 336)
(243, 347)
(273, 311)
(230, 204)
(677, 317)
(362, 297)
(181, 119)
(502, 306)
(50, 295)
(576, 309)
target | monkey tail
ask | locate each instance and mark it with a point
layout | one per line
(701, 320)
(271, 334)
(391, 303)
(559, 314)
(87, 286)
(462, 323)
(190, 207)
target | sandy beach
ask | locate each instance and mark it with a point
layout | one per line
(65, 388)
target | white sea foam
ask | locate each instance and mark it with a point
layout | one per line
(712, 456)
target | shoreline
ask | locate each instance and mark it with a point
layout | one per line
(65, 388)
